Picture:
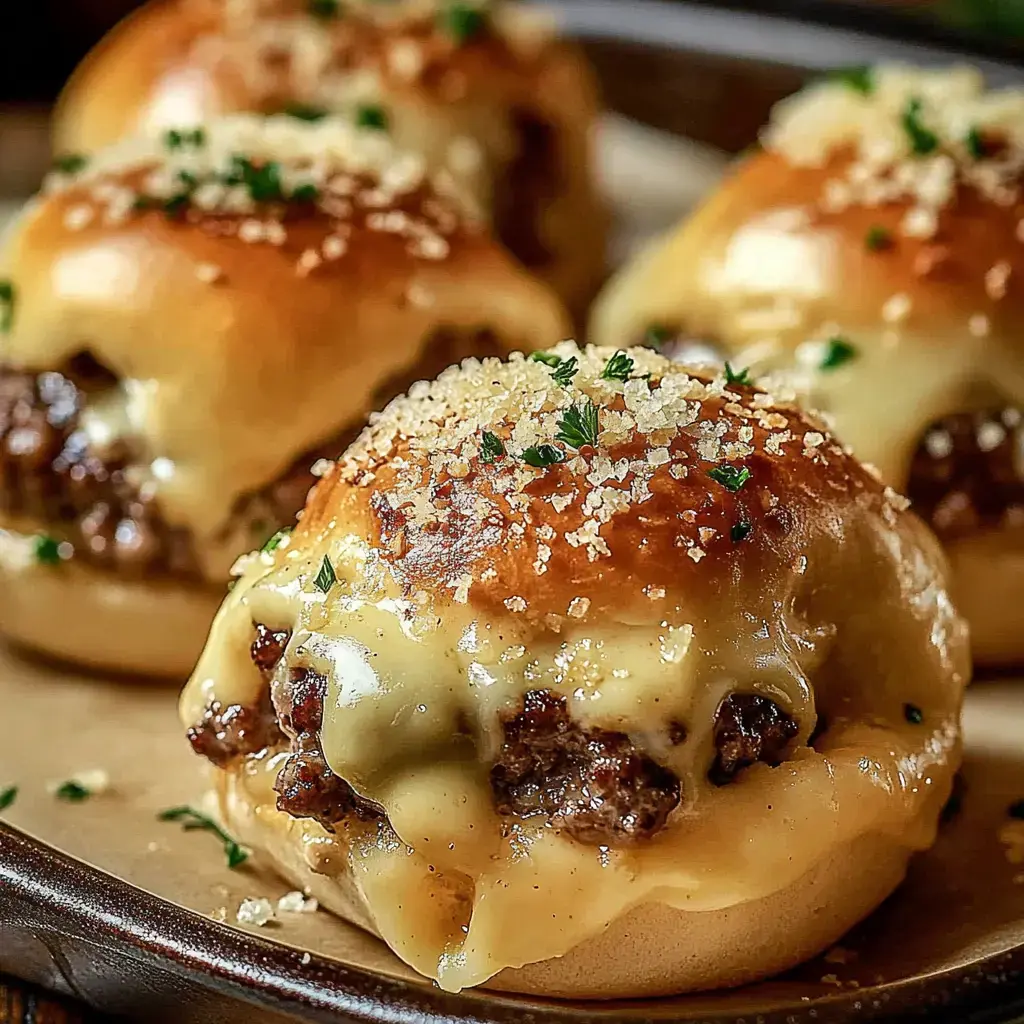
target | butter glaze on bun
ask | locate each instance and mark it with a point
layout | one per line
(193, 320)
(589, 676)
(874, 251)
(484, 89)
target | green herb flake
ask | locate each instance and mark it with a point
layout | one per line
(462, 22)
(262, 180)
(655, 337)
(307, 193)
(922, 140)
(325, 8)
(737, 376)
(326, 577)
(372, 116)
(46, 550)
(7, 797)
(176, 204)
(7, 302)
(975, 143)
(878, 238)
(1016, 810)
(837, 351)
(860, 78)
(578, 426)
(913, 714)
(543, 455)
(732, 478)
(72, 792)
(565, 371)
(619, 367)
(491, 447)
(191, 821)
(305, 112)
(70, 163)
(273, 543)
(740, 531)
(547, 358)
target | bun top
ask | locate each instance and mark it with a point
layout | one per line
(182, 61)
(593, 479)
(884, 211)
(609, 533)
(253, 286)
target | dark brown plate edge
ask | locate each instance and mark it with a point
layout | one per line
(41, 888)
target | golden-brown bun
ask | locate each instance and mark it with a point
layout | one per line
(836, 229)
(510, 109)
(704, 541)
(240, 336)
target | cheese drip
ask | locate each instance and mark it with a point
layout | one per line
(443, 880)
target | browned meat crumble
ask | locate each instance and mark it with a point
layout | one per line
(749, 728)
(594, 784)
(968, 472)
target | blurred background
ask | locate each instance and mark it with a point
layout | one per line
(42, 40)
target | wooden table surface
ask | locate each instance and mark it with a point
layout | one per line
(23, 1004)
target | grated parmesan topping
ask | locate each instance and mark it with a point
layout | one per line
(915, 136)
(661, 424)
(257, 172)
(342, 59)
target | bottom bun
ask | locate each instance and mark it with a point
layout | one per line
(92, 618)
(988, 587)
(654, 950)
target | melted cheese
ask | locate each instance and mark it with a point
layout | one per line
(853, 632)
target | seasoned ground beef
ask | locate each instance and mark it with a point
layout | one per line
(530, 183)
(49, 472)
(594, 784)
(749, 728)
(306, 786)
(968, 472)
(228, 733)
(96, 499)
(267, 649)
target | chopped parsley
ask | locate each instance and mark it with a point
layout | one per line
(326, 577)
(564, 369)
(541, 456)
(975, 143)
(7, 300)
(70, 163)
(740, 531)
(325, 8)
(913, 714)
(72, 792)
(262, 180)
(46, 550)
(655, 337)
(307, 193)
(1016, 810)
(491, 447)
(273, 543)
(619, 367)
(878, 238)
(7, 797)
(578, 426)
(177, 138)
(176, 204)
(370, 115)
(922, 140)
(462, 22)
(547, 358)
(737, 376)
(860, 78)
(837, 351)
(732, 478)
(305, 112)
(191, 820)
